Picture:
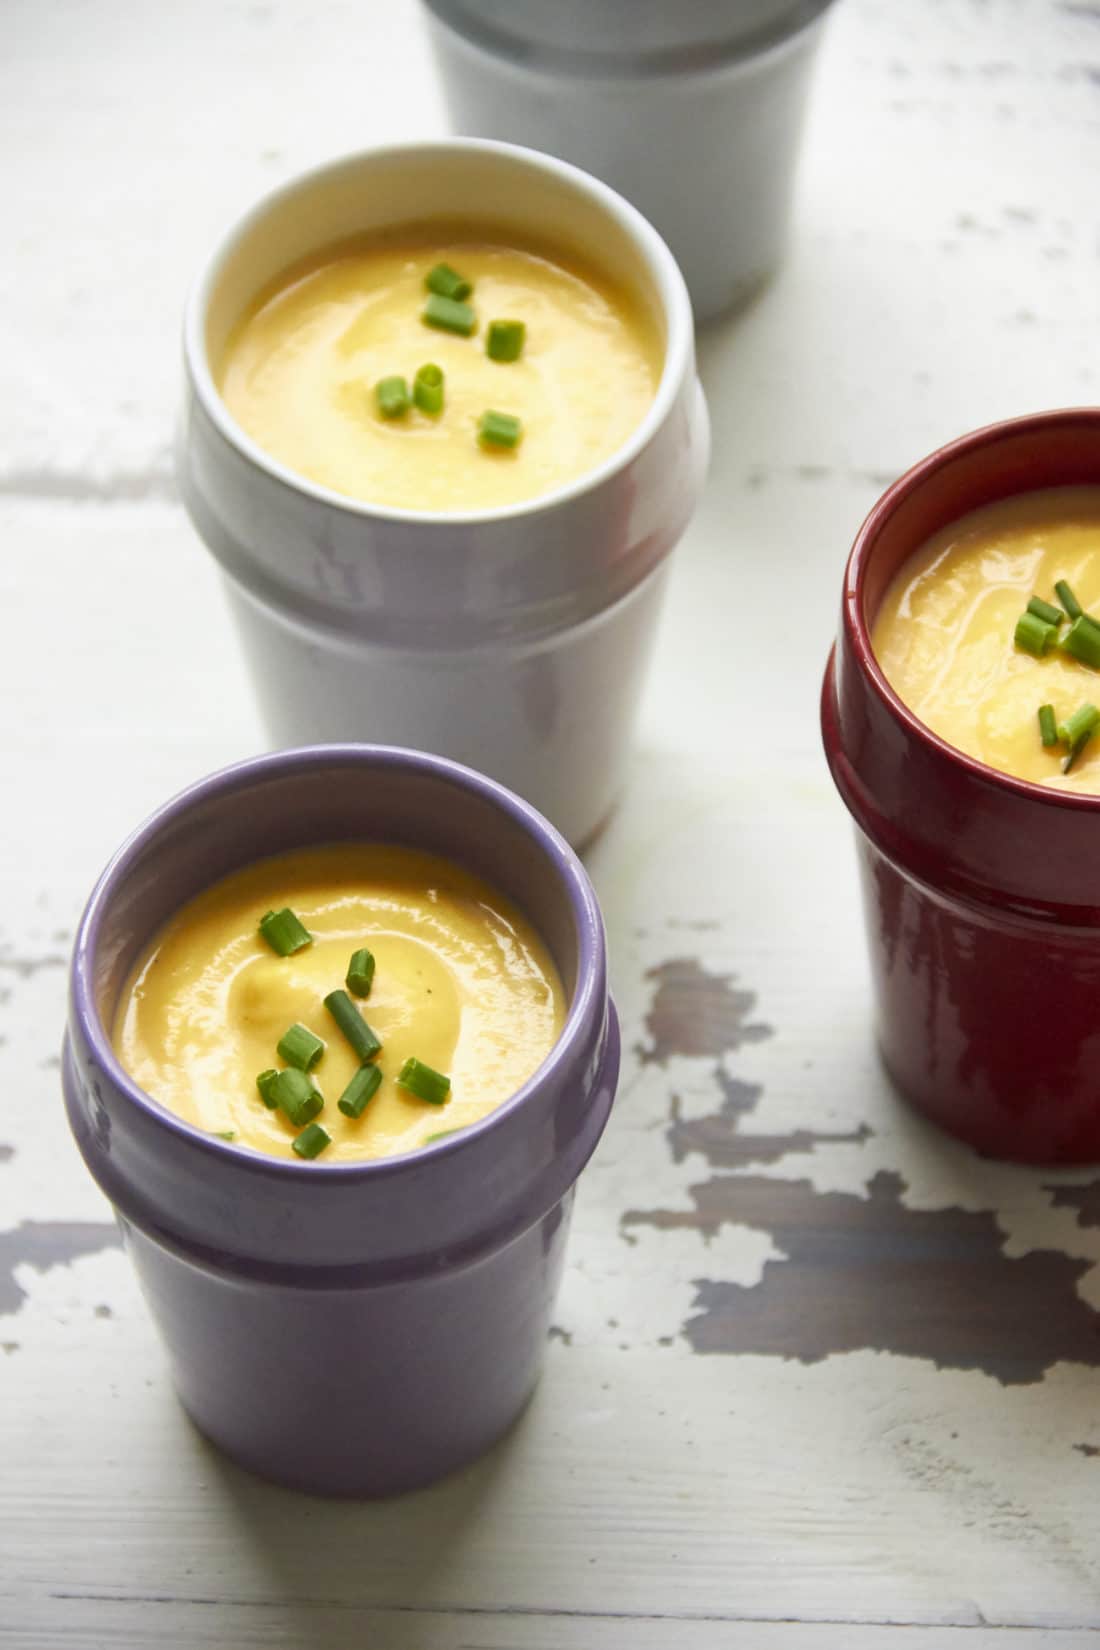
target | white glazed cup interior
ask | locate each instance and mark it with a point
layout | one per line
(497, 185)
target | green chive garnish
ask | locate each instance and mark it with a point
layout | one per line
(1048, 730)
(504, 340)
(392, 396)
(441, 1134)
(363, 1087)
(353, 1025)
(299, 1047)
(1082, 639)
(226, 1134)
(360, 974)
(1045, 610)
(1034, 635)
(447, 282)
(284, 933)
(312, 1141)
(1077, 730)
(298, 1096)
(1081, 723)
(428, 389)
(1075, 751)
(449, 315)
(265, 1082)
(1068, 599)
(424, 1081)
(498, 429)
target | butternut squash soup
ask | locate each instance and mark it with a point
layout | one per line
(353, 1001)
(987, 633)
(441, 371)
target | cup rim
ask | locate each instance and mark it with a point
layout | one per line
(600, 67)
(857, 631)
(675, 301)
(586, 1008)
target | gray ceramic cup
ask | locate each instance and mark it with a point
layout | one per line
(693, 111)
(348, 1329)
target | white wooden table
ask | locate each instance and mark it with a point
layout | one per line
(820, 1378)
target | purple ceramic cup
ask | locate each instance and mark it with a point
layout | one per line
(348, 1329)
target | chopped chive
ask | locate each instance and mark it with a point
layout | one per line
(298, 1096)
(497, 429)
(1082, 722)
(360, 974)
(448, 315)
(447, 282)
(1033, 635)
(353, 1025)
(440, 1134)
(428, 389)
(1082, 639)
(504, 340)
(1048, 730)
(1075, 750)
(363, 1087)
(1077, 730)
(1045, 610)
(265, 1082)
(392, 396)
(424, 1081)
(284, 933)
(312, 1141)
(1068, 599)
(299, 1047)
(226, 1134)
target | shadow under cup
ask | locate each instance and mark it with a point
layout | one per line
(363, 1328)
(981, 891)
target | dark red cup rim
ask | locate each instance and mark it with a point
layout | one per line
(587, 1003)
(858, 634)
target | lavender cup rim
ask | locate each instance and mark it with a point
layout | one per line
(653, 251)
(588, 996)
(858, 631)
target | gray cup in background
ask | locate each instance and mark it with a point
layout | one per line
(693, 109)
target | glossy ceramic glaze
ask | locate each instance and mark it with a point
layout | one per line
(982, 892)
(718, 91)
(513, 639)
(412, 1293)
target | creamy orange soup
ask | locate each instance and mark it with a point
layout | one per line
(944, 634)
(300, 371)
(462, 983)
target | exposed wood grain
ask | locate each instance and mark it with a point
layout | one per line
(170, 1624)
(651, 1480)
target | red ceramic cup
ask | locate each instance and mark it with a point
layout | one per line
(981, 892)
